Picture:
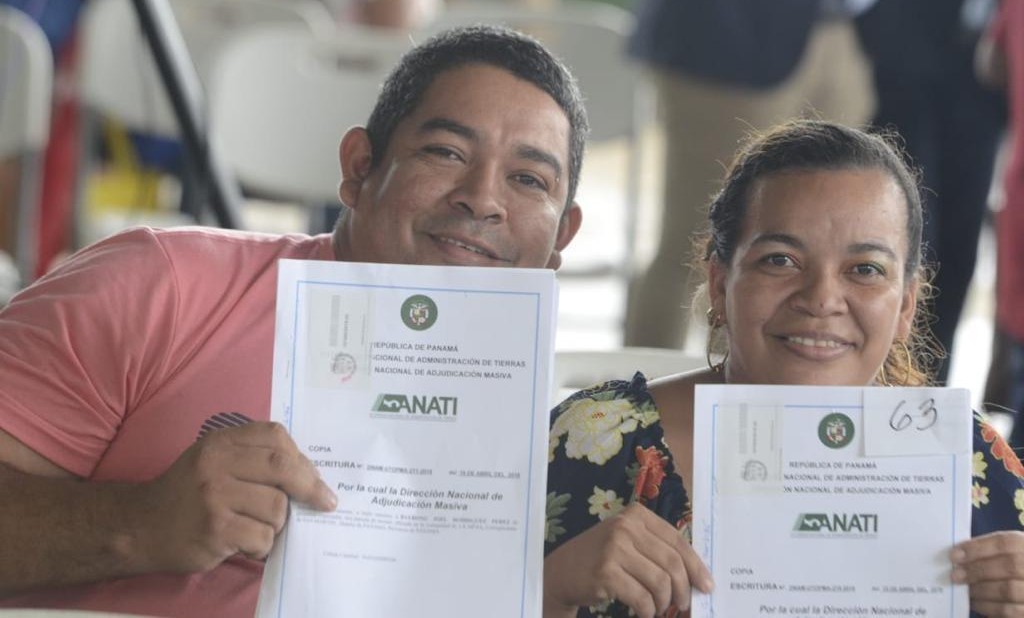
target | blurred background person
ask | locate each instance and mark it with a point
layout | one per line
(401, 14)
(922, 52)
(722, 68)
(1001, 64)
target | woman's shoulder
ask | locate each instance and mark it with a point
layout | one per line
(602, 424)
(674, 394)
(632, 394)
(629, 400)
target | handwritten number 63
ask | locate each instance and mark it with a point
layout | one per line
(922, 418)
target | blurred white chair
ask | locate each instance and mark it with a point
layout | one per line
(26, 85)
(208, 24)
(118, 75)
(590, 37)
(281, 99)
(578, 369)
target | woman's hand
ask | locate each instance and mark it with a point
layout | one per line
(993, 568)
(634, 557)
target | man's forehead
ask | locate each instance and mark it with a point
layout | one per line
(461, 92)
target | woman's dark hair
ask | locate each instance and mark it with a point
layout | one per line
(811, 145)
(503, 48)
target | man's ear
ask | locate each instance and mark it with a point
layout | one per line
(568, 225)
(356, 156)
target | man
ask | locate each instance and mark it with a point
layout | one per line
(140, 473)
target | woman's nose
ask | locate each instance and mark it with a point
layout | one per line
(821, 294)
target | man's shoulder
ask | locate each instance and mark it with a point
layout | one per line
(203, 235)
(199, 246)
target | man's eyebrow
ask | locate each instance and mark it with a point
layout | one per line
(447, 124)
(541, 156)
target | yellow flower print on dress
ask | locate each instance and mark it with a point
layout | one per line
(979, 464)
(979, 495)
(647, 414)
(605, 503)
(600, 610)
(595, 428)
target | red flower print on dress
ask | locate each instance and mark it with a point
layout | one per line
(988, 432)
(651, 473)
(1002, 451)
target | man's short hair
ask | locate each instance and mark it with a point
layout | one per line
(506, 49)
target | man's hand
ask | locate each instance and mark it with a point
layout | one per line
(634, 557)
(227, 494)
(993, 568)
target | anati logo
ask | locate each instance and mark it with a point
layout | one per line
(834, 524)
(835, 430)
(419, 312)
(426, 407)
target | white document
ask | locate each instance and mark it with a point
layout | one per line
(420, 393)
(831, 501)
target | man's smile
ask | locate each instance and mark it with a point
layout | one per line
(468, 245)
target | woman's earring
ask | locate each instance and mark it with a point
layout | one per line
(715, 322)
(898, 347)
(883, 379)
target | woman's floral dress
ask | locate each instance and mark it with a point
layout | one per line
(607, 449)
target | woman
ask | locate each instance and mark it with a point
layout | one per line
(814, 272)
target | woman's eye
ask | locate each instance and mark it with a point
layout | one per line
(868, 270)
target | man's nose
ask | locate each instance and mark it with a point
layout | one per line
(479, 193)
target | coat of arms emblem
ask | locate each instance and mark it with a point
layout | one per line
(419, 312)
(835, 430)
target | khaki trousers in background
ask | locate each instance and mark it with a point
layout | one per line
(704, 123)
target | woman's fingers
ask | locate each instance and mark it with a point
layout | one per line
(634, 557)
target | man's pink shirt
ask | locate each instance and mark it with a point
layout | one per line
(112, 364)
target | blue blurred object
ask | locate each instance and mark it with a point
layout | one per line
(56, 17)
(160, 153)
